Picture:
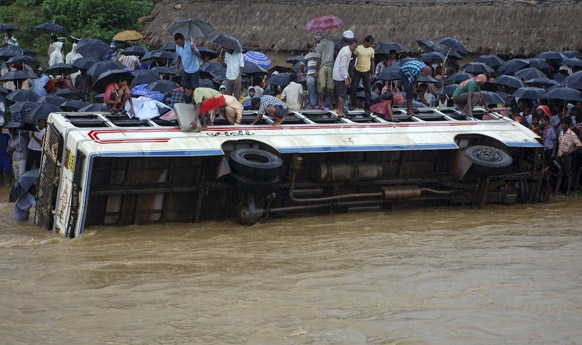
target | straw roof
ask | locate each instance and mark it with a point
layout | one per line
(508, 27)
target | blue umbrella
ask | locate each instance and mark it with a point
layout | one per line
(251, 68)
(450, 89)
(491, 60)
(530, 73)
(571, 62)
(551, 55)
(574, 81)
(541, 82)
(23, 184)
(512, 65)
(510, 81)
(459, 77)
(390, 73)
(563, 93)
(453, 43)
(144, 76)
(532, 93)
(257, 58)
(477, 67)
(572, 54)
(538, 63)
(387, 47)
(492, 97)
(92, 48)
(432, 56)
(280, 79)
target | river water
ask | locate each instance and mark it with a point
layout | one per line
(500, 275)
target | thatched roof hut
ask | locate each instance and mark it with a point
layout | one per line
(517, 27)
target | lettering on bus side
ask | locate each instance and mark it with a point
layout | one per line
(230, 134)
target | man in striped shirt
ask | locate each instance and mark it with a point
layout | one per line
(409, 72)
(272, 106)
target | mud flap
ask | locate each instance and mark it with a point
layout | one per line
(188, 117)
(462, 164)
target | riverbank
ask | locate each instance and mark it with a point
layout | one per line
(501, 27)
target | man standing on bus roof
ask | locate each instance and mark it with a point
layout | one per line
(409, 73)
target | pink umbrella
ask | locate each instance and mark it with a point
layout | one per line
(324, 23)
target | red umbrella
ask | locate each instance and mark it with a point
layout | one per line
(324, 23)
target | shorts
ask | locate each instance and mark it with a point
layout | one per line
(341, 89)
(325, 80)
(565, 163)
(281, 111)
(407, 87)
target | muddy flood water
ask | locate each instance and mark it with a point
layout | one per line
(440, 276)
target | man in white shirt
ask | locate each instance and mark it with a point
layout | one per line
(341, 75)
(35, 146)
(293, 94)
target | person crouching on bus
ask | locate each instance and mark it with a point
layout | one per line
(117, 94)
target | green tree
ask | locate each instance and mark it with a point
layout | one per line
(95, 18)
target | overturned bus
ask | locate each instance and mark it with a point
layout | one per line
(99, 169)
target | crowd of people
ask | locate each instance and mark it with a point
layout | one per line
(341, 75)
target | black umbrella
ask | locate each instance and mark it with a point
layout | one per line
(111, 76)
(551, 55)
(280, 79)
(103, 66)
(84, 63)
(510, 81)
(92, 48)
(144, 76)
(6, 27)
(251, 68)
(227, 41)
(532, 93)
(61, 68)
(491, 60)
(453, 43)
(563, 93)
(162, 85)
(51, 99)
(477, 67)
(21, 106)
(512, 65)
(295, 58)
(4, 91)
(432, 56)
(390, 73)
(25, 126)
(67, 93)
(573, 61)
(574, 81)
(428, 45)
(53, 28)
(426, 79)
(572, 54)
(530, 73)
(212, 70)
(42, 111)
(158, 54)
(10, 51)
(164, 70)
(22, 95)
(191, 28)
(23, 184)
(16, 75)
(135, 50)
(207, 52)
(538, 63)
(73, 105)
(98, 107)
(169, 47)
(450, 89)
(387, 47)
(20, 59)
(492, 97)
(541, 82)
(459, 77)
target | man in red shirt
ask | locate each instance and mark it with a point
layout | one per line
(116, 95)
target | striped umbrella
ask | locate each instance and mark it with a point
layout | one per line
(257, 58)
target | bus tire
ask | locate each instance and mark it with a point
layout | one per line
(488, 159)
(255, 163)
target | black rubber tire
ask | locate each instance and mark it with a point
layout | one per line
(488, 159)
(248, 184)
(255, 163)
